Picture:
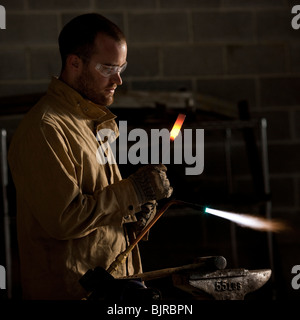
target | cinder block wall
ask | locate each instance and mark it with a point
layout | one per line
(231, 49)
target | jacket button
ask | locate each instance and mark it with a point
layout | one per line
(130, 207)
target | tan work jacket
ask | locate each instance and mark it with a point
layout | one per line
(71, 210)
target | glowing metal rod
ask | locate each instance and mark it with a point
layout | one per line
(177, 126)
(173, 135)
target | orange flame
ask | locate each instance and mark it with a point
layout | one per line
(177, 126)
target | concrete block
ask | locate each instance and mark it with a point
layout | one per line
(13, 64)
(160, 27)
(188, 4)
(117, 18)
(13, 4)
(162, 85)
(193, 60)
(45, 62)
(21, 87)
(30, 29)
(280, 91)
(128, 4)
(256, 59)
(143, 61)
(223, 26)
(232, 90)
(254, 3)
(58, 5)
(276, 25)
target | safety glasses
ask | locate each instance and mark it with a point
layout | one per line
(107, 71)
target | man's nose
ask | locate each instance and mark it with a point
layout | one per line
(117, 79)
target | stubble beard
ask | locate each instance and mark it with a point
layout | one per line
(88, 91)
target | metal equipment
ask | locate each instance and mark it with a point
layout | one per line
(227, 284)
(205, 279)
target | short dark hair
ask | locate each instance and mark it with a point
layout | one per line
(78, 35)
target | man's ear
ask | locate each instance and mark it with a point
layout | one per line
(74, 63)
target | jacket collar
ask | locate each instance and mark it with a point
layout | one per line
(75, 103)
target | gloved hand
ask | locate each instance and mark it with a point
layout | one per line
(146, 214)
(151, 183)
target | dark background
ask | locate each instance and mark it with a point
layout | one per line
(229, 50)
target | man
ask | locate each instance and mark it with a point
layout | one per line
(72, 212)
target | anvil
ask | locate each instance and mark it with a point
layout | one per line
(226, 284)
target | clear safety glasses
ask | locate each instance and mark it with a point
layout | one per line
(107, 71)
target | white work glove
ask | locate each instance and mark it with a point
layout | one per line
(151, 183)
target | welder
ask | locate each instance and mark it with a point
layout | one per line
(74, 214)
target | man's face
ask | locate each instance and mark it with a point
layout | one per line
(91, 83)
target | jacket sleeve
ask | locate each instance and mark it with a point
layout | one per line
(45, 176)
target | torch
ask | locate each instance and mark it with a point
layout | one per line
(244, 220)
